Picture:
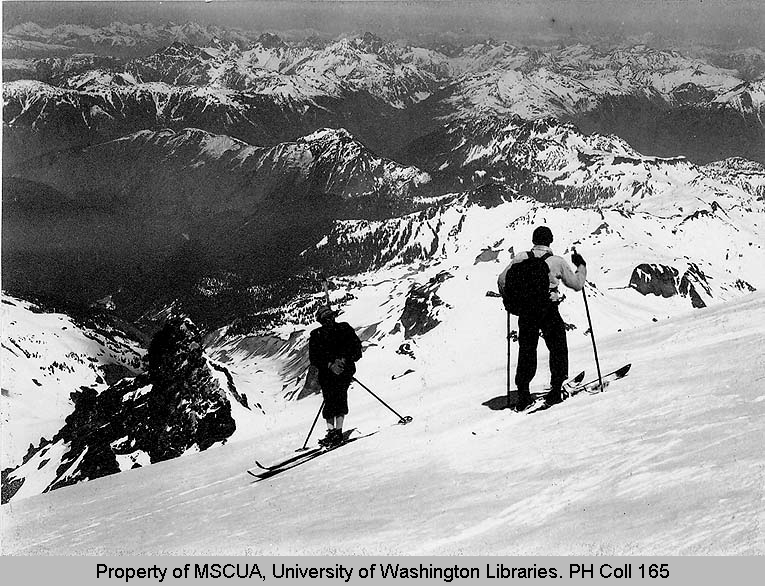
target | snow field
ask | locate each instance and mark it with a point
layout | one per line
(665, 462)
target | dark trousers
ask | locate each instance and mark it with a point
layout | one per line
(334, 389)
(552, 327)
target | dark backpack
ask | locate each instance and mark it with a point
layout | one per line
(526, 287)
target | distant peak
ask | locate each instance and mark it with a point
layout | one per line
(271, 41)
(367, 42)
(180, 48)
(315, 42)
(738, 164)
(329, 134)
(371, 41)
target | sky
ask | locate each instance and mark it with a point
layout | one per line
(736, 22)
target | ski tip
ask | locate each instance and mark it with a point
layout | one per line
(579, 377)
(624, 370)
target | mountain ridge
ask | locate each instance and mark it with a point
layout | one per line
(413, 88)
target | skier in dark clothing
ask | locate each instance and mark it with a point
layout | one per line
(548, 322)
(333, 349)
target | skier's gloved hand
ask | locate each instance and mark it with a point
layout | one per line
(577, 259)
(338, 366)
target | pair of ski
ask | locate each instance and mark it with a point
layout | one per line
(261, 472)
(574, 386)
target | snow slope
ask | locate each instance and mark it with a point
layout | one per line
(666, 462)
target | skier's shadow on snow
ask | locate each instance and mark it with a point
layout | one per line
(497, 403)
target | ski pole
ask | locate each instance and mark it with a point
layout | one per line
(305, 443)
(509, 343)
(401, 419)
(325, 286)
(592, 335)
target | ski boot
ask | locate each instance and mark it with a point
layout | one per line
(336, 439)
(326, 441)
(555, 396)
(333, 438)
(523, 401)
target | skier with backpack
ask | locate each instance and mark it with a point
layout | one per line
(333, 349)
(529, 287)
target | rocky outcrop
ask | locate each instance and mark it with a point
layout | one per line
(186, 405)
(175, 406)
(487, 255)
(421, 307)
(654, 279)
(693, 283)
(666, 281)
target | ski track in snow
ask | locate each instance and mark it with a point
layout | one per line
(666, 462)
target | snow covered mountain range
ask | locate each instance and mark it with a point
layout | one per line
(300, 188)
(118, 38)
(211, 178)
(670, 101)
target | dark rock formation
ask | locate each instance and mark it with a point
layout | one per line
(692, 280)
(487, 255)
(663, 280)
(418, 316)
(654, 279)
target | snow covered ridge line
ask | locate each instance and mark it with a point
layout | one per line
(672, 260)
(555, 162)
(396, 76)
(457, 58)
(271, 92)
(37, 116)
(544, 158)
(330, 162)
(437, 233)
(561, 88)
(114, 100)
(529, 82)
(120, 37)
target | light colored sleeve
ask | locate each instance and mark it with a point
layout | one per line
(573, 279)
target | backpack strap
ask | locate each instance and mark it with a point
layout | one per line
(545, 256)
